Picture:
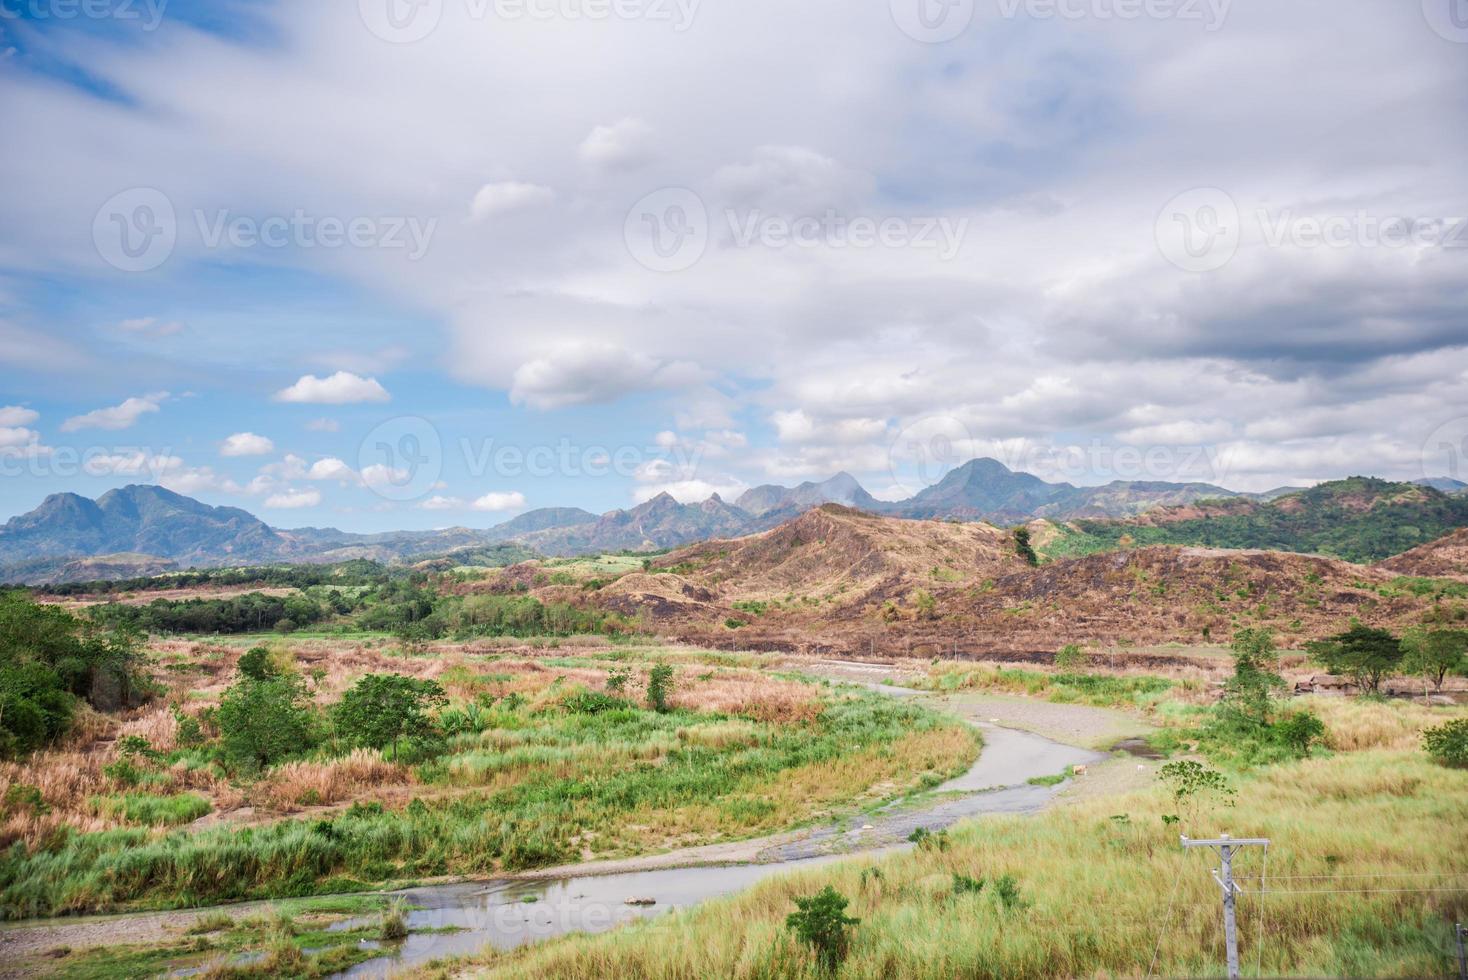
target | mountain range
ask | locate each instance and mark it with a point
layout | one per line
(151, 528)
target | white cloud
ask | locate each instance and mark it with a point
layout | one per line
(331, 468)
(324, 425)
(380, 476)
(341, 388)
(624, 145)
(440, 502)
(197, 479)
(17, 415)
(292, 499)
(508, 195)
(590, 372)
(512, 500)
(118, 416)
(246, 444)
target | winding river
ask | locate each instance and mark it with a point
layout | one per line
(507, 912)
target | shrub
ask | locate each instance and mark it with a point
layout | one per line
(1448, 743)
(394, 922)
(1300, 731)
(821, 921)
(617, 679)
(659, 687)
(1022, 546)
(592, 702)
(1071, 657)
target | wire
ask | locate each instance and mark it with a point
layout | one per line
(1263, 918)
(1166, 920)
(1384, 874)
(1359, 891)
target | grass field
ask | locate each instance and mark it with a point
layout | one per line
(535, 764)
(1103, 886)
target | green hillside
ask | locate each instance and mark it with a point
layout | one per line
(1360, 519)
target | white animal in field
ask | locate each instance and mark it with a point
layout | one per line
(1078, 770)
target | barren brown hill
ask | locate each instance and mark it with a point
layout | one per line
(840, 581)
(1447, 557)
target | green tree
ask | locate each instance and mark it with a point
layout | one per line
(255, 663)
(821, 921)
(1300, 731)
(1363, 653)
(659, 687)
(1071, 657)
(262, 722)
(1022, 546)
(1433, 654)
(1248, 695)
(381, 709)
(49, 661)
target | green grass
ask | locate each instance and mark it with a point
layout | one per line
(1097, 888)
(535, 789)
(148, 809)
(1096, 690)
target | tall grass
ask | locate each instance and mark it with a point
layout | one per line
(615, 781)
(1098, 894)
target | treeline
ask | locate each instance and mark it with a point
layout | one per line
(1323, 520)
(357, 572)
(50, 662)
(253, 612)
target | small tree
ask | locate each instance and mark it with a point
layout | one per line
(381, 709)
(1190, 783)
(265, 721)
(617, 679)
(1022, 546)
(927, 606)
(1363, 653)
(1248, 695)
(659, 687)
(1300, 731)
(255, 663)
(1433, 654)
(822, 921)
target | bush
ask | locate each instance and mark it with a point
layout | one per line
(592, 702)
(659, 687)
(1300, 731)
(821, 921)
(1071, 657)
(1448, 744)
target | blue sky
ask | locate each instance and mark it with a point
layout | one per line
(248, 244)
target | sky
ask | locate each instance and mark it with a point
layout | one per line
(382, 264)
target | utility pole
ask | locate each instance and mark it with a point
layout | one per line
(1226, 846)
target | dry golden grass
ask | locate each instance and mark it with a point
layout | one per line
(1353, 724)
(359, 774)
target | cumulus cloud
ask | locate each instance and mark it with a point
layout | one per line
(623, 145)
(331, 468)
(341, 388)
(440, 502)
(508, 195)
(197, 479)
(497, 501)
(293, 499)
(246, 444)
(118, 416)
(589, 372)
(11, 415)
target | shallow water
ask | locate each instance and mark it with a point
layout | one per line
(509, 912)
